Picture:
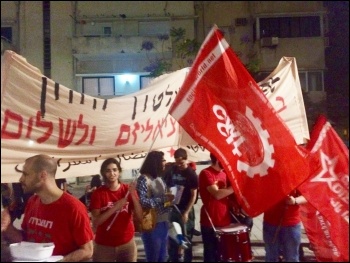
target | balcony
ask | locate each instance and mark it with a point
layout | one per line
(93, 48)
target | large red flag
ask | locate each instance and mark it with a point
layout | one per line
(327, 190)
(222, 108)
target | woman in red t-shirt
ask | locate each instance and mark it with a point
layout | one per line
(112, 207)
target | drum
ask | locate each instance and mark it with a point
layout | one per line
(234, 243)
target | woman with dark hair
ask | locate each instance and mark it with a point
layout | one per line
(95, 183)
(112, 206)
(152, 191)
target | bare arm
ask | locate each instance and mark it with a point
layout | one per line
(84, 253)
(99, 218)
(291, 200)
(190, 205)
(8, 231)
(300, 200)
(135, 200)
(219, 193)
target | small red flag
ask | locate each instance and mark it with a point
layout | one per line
(223, 109)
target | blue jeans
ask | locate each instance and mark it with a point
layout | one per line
(286, 242)
(155, 243)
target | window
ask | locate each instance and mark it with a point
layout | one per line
(107, 31)
(284, 27)
(144, 81)
(98, 86)
(6, 32)
(311, 80)
(110, 85)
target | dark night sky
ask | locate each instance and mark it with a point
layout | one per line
(337, 61)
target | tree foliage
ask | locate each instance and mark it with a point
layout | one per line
(184, 51)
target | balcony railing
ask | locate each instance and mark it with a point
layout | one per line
(104, 46)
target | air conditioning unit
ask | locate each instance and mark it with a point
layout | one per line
(269, 41)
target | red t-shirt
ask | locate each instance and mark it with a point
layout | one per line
(64, 222)
(282, 214)
(122, 230)
(218, 209)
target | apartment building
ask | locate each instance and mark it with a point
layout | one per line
(99, 47)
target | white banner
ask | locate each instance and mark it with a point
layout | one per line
(282, 88)
(39, 116)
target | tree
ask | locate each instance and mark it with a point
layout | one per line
(184, 52)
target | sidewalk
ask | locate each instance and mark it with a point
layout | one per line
(256, 240)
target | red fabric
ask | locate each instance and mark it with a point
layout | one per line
(218, 209)
(64, 222)
(122, 230)
(317, 229)
(223, 109)
(192, 165)
(283, 214)
(327, 190)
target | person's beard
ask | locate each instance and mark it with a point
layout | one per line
(31, 188)
(220, 165)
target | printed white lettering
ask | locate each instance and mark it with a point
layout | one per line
(40, 222)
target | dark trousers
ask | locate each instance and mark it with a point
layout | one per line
(210, 245)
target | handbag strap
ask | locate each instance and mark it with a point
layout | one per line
(149, 186)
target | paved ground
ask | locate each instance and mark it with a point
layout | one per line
(256, 242)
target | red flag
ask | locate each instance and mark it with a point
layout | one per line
(317, 229)
(327, 190)
(222, 108)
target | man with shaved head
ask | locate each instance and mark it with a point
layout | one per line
(51, 215)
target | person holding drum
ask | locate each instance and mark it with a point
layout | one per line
(282, 229)
(214, 191)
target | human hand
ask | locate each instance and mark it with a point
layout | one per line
(185, 217)
(132, 187)
(170, 197)
(90, 190)
(119, 204)
(5, 219)
(290, 200)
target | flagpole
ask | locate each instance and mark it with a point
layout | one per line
(279, 224)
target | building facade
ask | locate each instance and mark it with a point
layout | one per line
(99, 47)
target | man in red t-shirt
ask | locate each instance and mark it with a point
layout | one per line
(214, 192)
(51, 215)
(282, 229)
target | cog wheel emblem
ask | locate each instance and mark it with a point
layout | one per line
(267, 161)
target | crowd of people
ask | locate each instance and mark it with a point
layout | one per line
(52, 214)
